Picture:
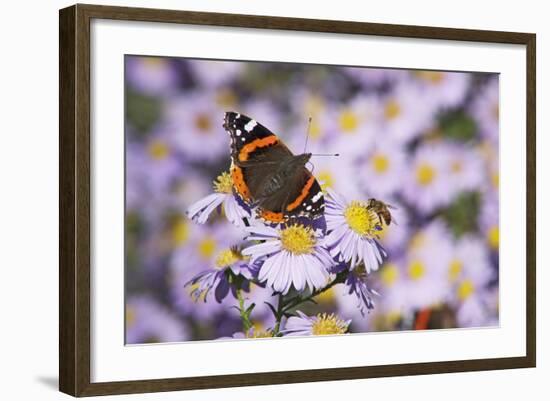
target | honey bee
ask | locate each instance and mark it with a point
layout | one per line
(382, 210)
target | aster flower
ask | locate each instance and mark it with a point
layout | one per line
(485, 110)
(199, 253)
(471, 273)
(306, 103)
(290, 256)
(392, 280)
(328, 172)
(152, 170)
(322, 324)
(223, 195)
(251, 333)
(429, 185)
(353, 227)
(426, 266)
(149, 322)
(352, 124)
(193, 122)
(442, 89)
(382, 168)
(356, 283)
(231, 268)
(153, 76)
(370, 78)
(214, 73)
(465, 165)
(489, 221)
(400, 115)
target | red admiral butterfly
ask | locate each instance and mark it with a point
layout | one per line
(267, 175)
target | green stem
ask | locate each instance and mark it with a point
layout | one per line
(283, 307)
(247, 324)
(294, 302)
(279, 315)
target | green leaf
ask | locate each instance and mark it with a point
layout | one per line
(462, 214)
(142, 112)
(458, 125)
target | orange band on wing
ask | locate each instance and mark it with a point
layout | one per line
(255, 144)
(303, 194)
(272, 217)
(238, 182)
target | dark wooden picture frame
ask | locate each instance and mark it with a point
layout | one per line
(74, 199)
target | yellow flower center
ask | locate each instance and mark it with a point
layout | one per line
(223, 183)
(361, 218)
(180, 232)
(433, 77)
(203, 122)
(348, 121)
(227, 257)
(314, 105)
(326, 178)
(416, 270)
(328, 324)
(326, 297)
(417, 241)
(454, 269)
(158, 150)
(495, 179)
(456, 166)
(380, 163)
(226, 98)
(392, 110)
(389, 274)
(259, 332)
(297, 239)
(153, 63)
(393, 317)
(493, 236)
(425, 174)
(206, 247)
(130, 316)
(465, 290)
(314, 130)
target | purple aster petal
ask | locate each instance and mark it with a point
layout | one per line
(221, 290)
(260, 250)
(200, 210)
(234, 212)
(263, 231)
(335, 197)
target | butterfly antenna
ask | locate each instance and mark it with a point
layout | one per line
(307, 132)
(326, 154)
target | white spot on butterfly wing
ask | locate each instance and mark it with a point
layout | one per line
(238, 132)
(317, 197)
(250, 125)
(309, 207)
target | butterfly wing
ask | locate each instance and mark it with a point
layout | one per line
(256, 153)
(302, 196)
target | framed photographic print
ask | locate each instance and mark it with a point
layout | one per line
(313, 200)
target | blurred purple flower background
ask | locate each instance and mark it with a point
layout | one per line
(425, 142)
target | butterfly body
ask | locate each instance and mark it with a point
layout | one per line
(267, 175)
